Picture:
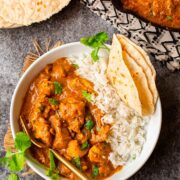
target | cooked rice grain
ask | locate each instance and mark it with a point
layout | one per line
(127, 134)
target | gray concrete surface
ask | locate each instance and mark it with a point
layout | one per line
(69, 25)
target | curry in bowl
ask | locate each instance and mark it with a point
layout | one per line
(92, 111)
(58, 112)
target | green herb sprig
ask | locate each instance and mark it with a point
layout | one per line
(96, 42)
(52, 172)
(15, 161)
(53, 101)
(89, 124)
(95, 171)
(87, 96)
(85, 145)
(57, 87)
(77, 162)
(76, 66)
(13, 177)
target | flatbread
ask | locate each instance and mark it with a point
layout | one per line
(121, 79)
(26, 12)
(142, 59)
(5, 24)
(141, 83)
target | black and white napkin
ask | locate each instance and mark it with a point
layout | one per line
(163, 44)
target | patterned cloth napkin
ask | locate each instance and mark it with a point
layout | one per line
(164, 45)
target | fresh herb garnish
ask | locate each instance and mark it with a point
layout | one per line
(52, 163)
(76, 66)
(55, 177)
(15, 161)
(13, 177)
(53, 101)
(169, 18)
(133, 156)
(87, 96)
(57, 87)
(85, 145)
(22, 141)
(52, 172)
(95, 171)
(89, 124)
(77, 162)
(96, 42)
(94, 54)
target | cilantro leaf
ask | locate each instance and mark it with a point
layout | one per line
(134, 156)
(53, 101)
(22, 141)
(52, 163)
(16, 162)
(76, 66)
(58, 87)
(85, 145)
(95, 171)
(89, 124)
(8, 154)
(94, 54)
(4, 160)
(13, 177)
(96, 42)
(55, 176)
(77, 162)
(87, 96)
(52, 173)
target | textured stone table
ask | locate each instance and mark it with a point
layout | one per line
(69, 25)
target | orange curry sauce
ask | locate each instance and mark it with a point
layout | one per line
(62, 125)
(161, 12)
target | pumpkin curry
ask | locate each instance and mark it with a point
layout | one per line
(58, 112)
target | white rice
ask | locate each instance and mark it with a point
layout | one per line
(127, 134)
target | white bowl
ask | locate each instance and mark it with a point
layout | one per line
(153, 127)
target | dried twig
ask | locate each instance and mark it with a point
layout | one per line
(47, 44)
(32, 56)
(28, 172)
(57, 44)
(8, 141)
(38, 48)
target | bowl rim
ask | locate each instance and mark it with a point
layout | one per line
(40, 58)
(24, 77)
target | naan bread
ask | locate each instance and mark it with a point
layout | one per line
(26, 12)
(141, 83)
(5, 24)
(132, 74)
(120, 77)
(142, 59)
